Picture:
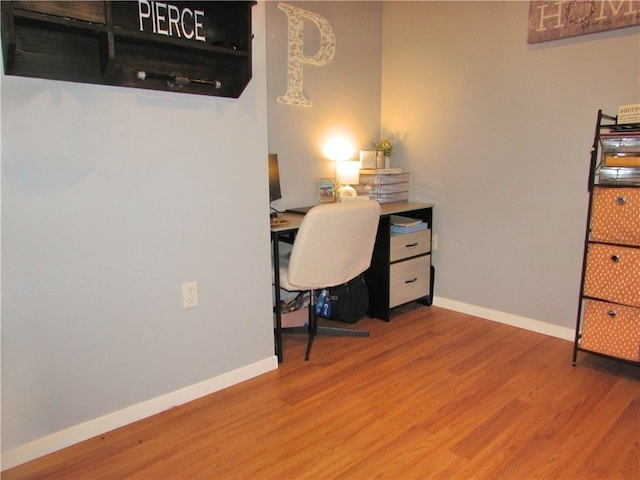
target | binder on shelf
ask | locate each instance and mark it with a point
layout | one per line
(404, 221)
(407, 225)
(415, 228)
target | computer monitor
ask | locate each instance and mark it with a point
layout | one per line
(274, 178)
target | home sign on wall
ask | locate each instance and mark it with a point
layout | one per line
(551, 20)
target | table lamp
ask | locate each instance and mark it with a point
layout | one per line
(348, 173)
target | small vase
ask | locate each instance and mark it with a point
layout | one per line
(387, 162)
(379, 159)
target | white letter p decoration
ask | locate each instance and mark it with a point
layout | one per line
(296, 56)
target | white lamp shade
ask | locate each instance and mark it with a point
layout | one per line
(348, 173)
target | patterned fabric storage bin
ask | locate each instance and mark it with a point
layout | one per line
(615, 216)
(611, 329)
(612, 273)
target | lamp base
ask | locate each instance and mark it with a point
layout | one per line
(346, 191)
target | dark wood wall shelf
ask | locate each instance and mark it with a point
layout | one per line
(113, 43)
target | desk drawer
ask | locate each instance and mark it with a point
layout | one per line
(407, 245)
(612, 274)
(409, 280)
(611, 329)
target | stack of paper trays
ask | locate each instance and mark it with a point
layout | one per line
(407, 225)
(380, 171)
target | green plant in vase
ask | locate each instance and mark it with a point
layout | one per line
(386, 147)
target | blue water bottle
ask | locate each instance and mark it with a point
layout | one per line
(322, 298)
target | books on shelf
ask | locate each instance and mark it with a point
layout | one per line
(407, 225)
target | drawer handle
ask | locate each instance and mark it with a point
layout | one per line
(620, 201)
(615, 258)
(412, 280)
(611, 313)
(414, 244)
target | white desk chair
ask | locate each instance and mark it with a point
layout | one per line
(333, 245)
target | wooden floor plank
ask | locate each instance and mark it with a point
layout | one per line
(430, 394)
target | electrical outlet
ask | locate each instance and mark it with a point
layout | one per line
(434, 242)
(190, 295)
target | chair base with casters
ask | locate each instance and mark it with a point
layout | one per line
(313, 329)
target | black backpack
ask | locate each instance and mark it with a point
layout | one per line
(346, 303)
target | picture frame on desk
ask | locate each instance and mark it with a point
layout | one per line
(325, 190)
(368, 159)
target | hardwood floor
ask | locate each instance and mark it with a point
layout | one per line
(432, 394)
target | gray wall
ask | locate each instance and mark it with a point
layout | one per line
(497, 134)
(111, 199)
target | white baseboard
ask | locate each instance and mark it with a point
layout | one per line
(111, 421)
(506, 318)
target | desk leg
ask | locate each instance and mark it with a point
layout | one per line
(275, 239)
